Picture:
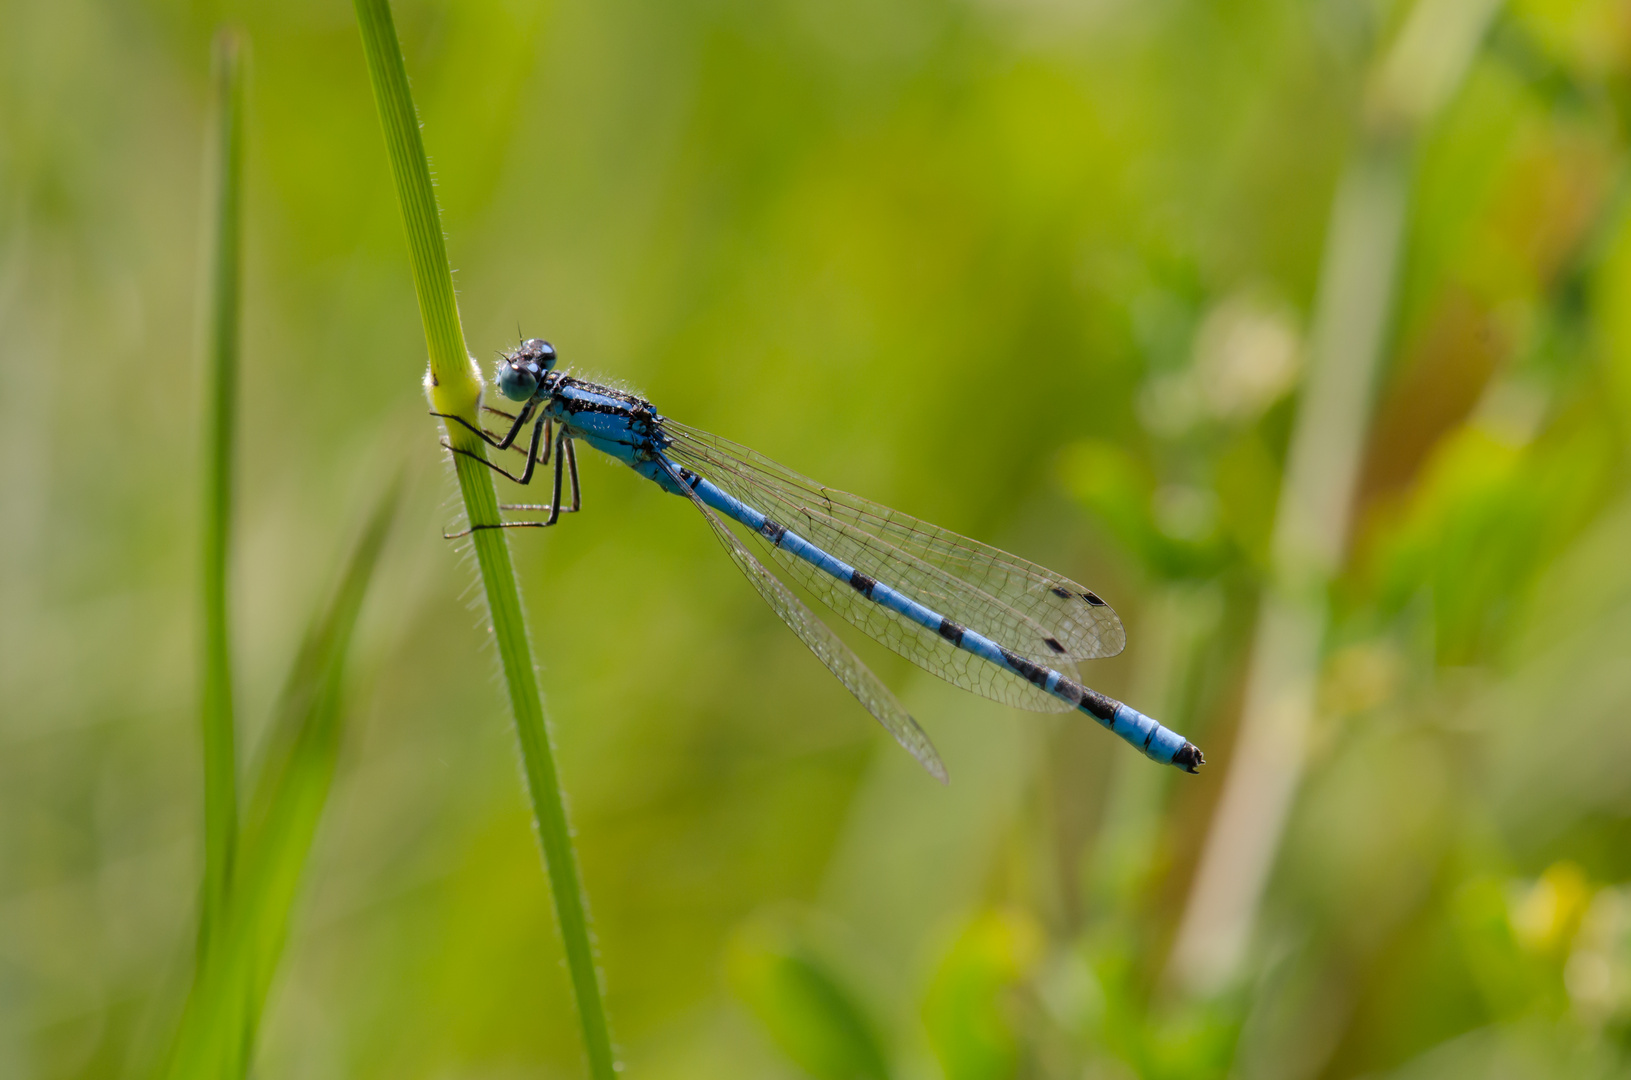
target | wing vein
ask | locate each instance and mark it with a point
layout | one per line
(1026, 608)
(828, 647)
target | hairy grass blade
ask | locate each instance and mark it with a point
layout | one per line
(455, 388)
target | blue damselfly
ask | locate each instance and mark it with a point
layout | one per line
(978, 617)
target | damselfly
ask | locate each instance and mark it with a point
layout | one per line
(978, 617)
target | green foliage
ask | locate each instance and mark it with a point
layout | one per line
(802, 1004)
(964, 1008)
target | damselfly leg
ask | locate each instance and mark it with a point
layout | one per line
(494, 440)
(567, 454)
(566, 466)
(538, 434)
(487, 436)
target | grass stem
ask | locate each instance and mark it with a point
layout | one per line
(220, 413)
(1414, 78)
(454, 387)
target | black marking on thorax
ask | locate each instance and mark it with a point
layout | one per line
(644, 420)
(624, 402)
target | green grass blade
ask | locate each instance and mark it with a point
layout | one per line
(454, 387)
(291, 785)
(221, 345)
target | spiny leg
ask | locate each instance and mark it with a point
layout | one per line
(561, 454)
(532, 452)
(565, 454)
(499, 525)
(487, 436)
(566, 451)
(493, 440)
(547, 440)
(572, 467)
(486, 408)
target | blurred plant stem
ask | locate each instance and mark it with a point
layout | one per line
(454, 387)
(1416, 76)
(216, 1038)
(225, 164)
(1180, 621)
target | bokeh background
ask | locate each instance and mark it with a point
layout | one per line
(1061, 276)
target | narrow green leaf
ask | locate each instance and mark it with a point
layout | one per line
(225, 163)
(291, 784)
(454, 386)
(805, 1008)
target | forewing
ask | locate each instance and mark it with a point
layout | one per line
(829, 648)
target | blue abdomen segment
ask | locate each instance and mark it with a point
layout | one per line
(657, 471)
(1154, 740)
(1159, 743)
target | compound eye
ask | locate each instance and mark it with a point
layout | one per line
(515, 381)
(540, 350)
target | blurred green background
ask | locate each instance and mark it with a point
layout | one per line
(1045, 273)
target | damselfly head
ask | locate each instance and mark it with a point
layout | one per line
(520, 371)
